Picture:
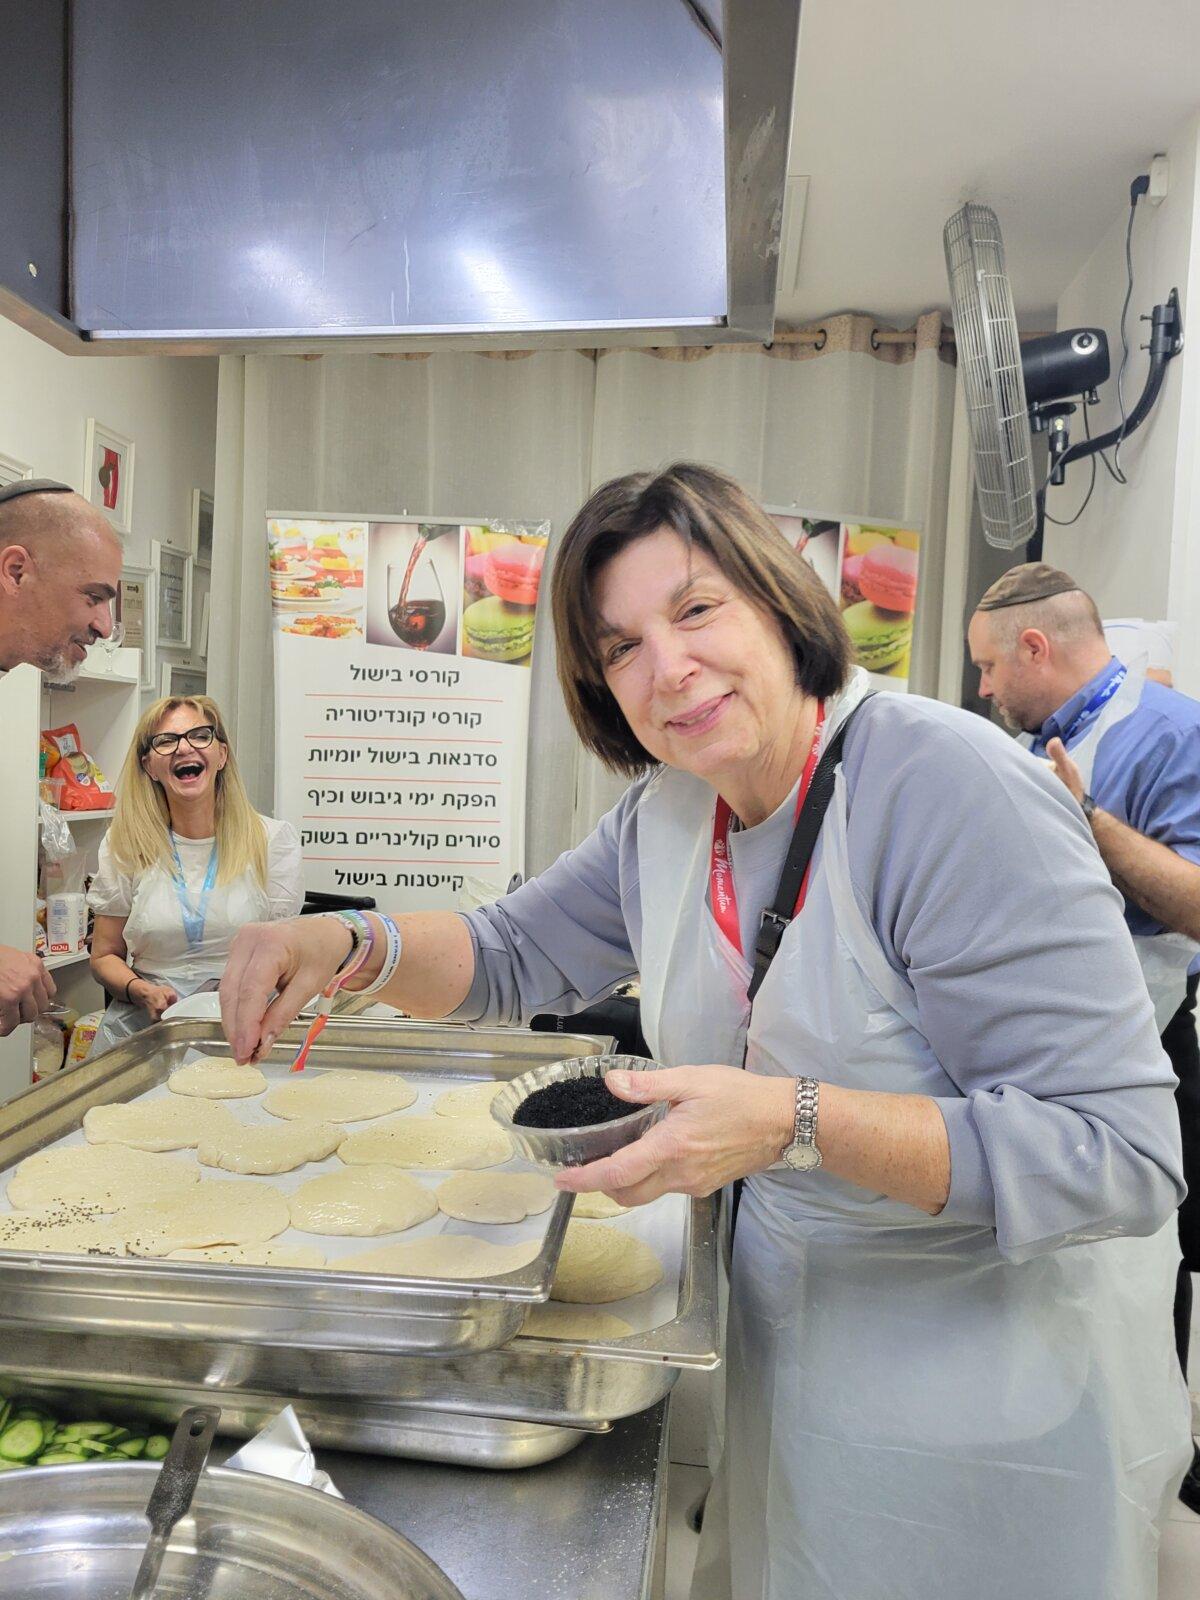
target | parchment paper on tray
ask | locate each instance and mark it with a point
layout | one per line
(281, 1450)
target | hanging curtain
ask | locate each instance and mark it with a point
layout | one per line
(844, 418)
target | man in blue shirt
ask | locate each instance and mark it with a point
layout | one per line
(1039, 644)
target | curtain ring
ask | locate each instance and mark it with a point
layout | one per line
(823, 340)
(875, 339)
(769, 344)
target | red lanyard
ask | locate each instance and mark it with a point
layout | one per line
(724, 895)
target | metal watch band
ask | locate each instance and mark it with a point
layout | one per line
(808, 1094)
(1088, 806)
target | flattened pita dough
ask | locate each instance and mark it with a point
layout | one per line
(469, 1100)
(361, 1200)
(107, 1176)
(436, 1143)
(217, 1078)
(76, 1230)
(255, 1255)
(446, 1255)
(168, 1123)
(495, 1196)
(596, 1208)
(552, 1321)
(337, 1096)
(217, 1211)
(600, 1263)
(282, 1148)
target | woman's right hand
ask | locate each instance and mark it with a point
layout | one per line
(297, 958)
(152, 997)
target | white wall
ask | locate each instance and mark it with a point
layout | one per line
(166, 405)
(1129, 548)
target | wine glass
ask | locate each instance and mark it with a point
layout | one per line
(416, 603)
(112, 644)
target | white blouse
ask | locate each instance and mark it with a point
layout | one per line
(155, 941)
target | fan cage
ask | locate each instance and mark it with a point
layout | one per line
(989, 360)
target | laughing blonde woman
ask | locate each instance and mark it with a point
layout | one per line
(186, 862)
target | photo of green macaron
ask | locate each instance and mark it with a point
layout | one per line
(498, 631)
(880, 638)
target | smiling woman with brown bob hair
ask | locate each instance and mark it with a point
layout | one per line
(949, 1359)
(709, 510)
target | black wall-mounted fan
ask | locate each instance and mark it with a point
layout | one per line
(1014, 390)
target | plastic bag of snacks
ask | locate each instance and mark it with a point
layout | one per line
(84, 786)
(82, 1035)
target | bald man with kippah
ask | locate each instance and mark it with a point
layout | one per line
(1128, 749)
(60, 564)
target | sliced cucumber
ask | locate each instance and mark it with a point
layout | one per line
(132, 1448)
(93, 1448)
(5, 1414)
(61, 1458)
(157, 1446)
(21, 1441)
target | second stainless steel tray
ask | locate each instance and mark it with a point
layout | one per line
(302, 1310)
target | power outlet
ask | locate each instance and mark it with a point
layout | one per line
(1160, 178)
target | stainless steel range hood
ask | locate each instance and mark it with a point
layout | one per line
(371, 174)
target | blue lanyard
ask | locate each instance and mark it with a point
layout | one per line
(194, 916)
(1101, 698)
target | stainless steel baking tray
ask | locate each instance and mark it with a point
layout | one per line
(77, 1533)
(367, 1401)
(303, 1310)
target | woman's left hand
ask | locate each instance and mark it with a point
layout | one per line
(722, 1123)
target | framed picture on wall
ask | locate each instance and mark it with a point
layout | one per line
(174, 570)
(201, 543)
(137, 610)
(177, 678)
(108, 473)
(12, 470)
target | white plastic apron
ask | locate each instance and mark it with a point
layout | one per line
(1165, 957)
(908, 1417)
(160, 952)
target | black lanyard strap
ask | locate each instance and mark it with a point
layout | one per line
(774, 922)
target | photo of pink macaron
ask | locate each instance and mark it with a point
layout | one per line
(851, 592)
(888, 578)
(475, 578)
(513, 572)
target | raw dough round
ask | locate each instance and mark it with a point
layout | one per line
(106, 1176)
(217, 1211)
(362, 1201)
(495, 1196)
(599, 1263)
(78, 1230)
(440, 1143)
(337, 1096)
(168, 1123)
(469, 1100)
(269, 1150)
(255, 1255)
(446, 1255)
(596, 1208)
(574, 1322)
(217, 1078)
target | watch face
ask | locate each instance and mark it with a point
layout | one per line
(802, 1157)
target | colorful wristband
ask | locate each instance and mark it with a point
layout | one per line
(391, 960)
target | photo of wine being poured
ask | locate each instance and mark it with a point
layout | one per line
(415, 581)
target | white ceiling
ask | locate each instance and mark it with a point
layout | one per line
(1044, 109)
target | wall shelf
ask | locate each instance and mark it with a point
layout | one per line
(69, 959)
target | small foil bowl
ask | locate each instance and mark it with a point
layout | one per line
(575, 1147)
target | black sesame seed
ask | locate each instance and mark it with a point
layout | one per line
(573, 1103)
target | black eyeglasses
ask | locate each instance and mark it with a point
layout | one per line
(199, 738)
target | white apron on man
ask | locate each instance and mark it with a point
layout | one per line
(909, 1415)
(1164, 957)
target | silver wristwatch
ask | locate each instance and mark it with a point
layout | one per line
(802, 1154)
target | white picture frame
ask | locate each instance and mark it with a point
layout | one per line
(12, 470)
(181, 678)
(204, 619)
(201, 529)
(108, 461)
(174, 600)
(138, 596)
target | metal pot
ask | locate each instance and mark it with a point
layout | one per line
(78, 1533)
